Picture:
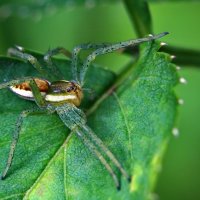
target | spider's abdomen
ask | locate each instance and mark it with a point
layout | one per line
(23, 89)
(57, 93)
(64, 92)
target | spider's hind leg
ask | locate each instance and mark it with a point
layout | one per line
(16, 134)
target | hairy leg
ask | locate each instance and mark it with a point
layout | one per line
(94, 150)
(18, 52)
(39, 99)
(15, 82)
(75, 120)
(75, 56)
(111, 48)
(110, 155)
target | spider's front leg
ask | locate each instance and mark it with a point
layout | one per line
(75, 120)
(112, 48)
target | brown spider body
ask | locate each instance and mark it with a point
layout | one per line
(57, 92)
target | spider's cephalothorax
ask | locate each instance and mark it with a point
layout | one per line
(63, 97)
(64, 92)
(57, 92)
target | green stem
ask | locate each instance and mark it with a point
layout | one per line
(140, 16)
(183, 56)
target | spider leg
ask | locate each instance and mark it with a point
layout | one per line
(75, 120)
(18, 52)
(111, 156)
(111, 48)
(53, 52)
(75, 56)
(39, 99)
(15, 82)
(94, 150)
(16, 137)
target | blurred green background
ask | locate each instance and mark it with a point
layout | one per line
(71, 25)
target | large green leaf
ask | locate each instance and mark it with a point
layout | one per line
(134, 121)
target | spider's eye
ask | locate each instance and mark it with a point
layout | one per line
(70, 88)
(63, 87)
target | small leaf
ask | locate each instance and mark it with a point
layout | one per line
(135, 122)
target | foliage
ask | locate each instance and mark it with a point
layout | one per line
(133, 113)
(134, 122)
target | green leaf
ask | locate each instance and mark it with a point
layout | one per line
(134, 121)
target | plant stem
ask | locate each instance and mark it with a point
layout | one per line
(140, 16)
(187, 57)
(183, 56)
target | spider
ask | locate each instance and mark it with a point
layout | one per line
(64, 97)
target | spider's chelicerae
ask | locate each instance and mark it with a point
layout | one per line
(63, 97)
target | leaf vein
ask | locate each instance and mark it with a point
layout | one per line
(126, 124)
(46, 168)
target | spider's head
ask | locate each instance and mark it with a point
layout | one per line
(64, 92)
